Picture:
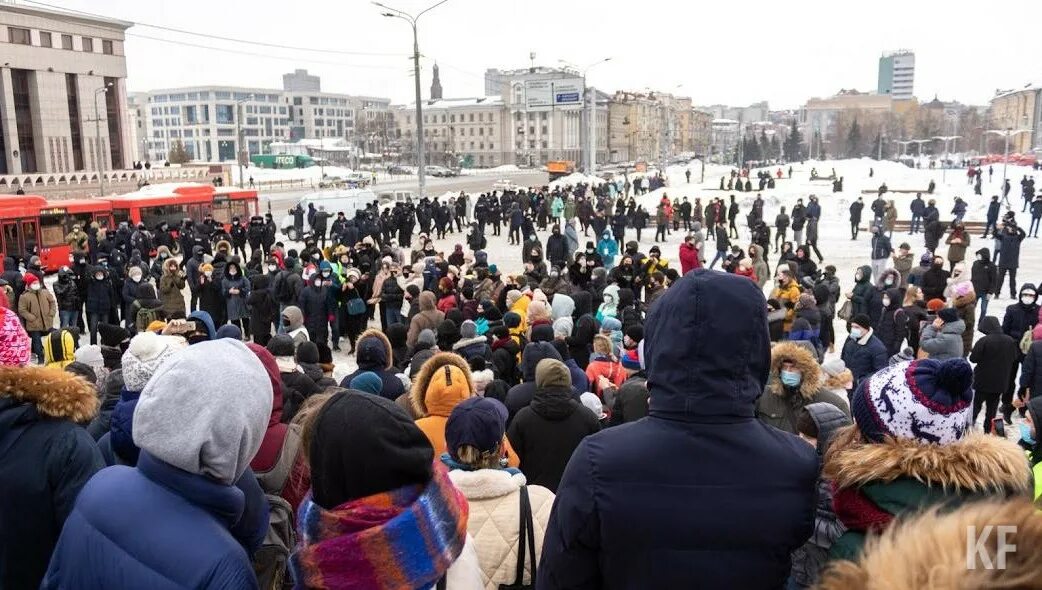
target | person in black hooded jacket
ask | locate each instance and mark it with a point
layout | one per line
(521, 394)
(935, 280)
(374, 353)
(263, 309)
(545, 433)
(505, 351)
(1019, 318)
(893, 324)
(985, 277)
(993, 357)
(580, 343)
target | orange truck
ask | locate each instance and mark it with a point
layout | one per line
(559, 168)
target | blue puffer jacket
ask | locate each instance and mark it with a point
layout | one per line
(173, 530)
(865, 356)
(699, 493)
(121, 434)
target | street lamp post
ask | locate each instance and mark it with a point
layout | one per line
(946, 139)
(395, 13)
(100, 158)
(238, 134)
(1007, 132)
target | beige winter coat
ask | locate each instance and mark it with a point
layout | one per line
(495, 498)
(37, 309)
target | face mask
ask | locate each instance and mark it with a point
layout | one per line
(208, 274)
(1027, 299)
(135, 277)
(856, 334)
(791, 378)
(325, 274)
(272, 268)
(345, 260)
(35, 287)
(318, 283)
(315, 256)
(889, 282)
(99, 277)
(232, 272)
(70, 259)
(886, 302)
(1025, 434)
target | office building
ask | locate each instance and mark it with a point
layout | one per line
(470, 132)
(897, 75)
(1020, 111)
(208, 119)
(63, 96)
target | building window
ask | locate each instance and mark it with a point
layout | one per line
(72, 94)
(88, 45)
(543, 144)
(542, 115)
(45, 39)
(18, 36)
(67, 42)
(106, 47)
(112, 108)
(544, 130)
(481, 117)
(23, 116)
(492, 146)
(452, 118)
(472, 117)
(481, 131)
(225, 114)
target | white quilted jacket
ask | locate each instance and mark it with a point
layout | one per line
(495, 504)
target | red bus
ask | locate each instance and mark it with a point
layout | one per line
(154, 204)
(32, 222)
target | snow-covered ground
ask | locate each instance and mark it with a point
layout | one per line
(314, 173)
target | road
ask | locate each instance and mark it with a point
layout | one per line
(283, 200)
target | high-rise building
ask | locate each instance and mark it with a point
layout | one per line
(436, 85)
(63, 95)
(897, 74)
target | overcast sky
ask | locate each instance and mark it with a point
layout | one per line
(719, 52)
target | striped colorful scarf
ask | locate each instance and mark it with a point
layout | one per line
(402, 539)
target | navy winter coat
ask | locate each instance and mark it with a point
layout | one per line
(700, 493)
(864, 359)
(172, 530)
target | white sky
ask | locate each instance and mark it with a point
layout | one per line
(720, 52)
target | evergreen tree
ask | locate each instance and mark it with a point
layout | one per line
(854, 141)
(877, 146)
(765, 146)
(775, 147)
(178, 154)
(752, 150)
(793, 143)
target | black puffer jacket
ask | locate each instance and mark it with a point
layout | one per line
(521, 395)
(545, 433)
(984, 274)
(66, 292)
(1019, 317)
(993, 357)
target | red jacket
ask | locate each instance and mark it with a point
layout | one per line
(746, 272)
(447, 303)
(689, 259)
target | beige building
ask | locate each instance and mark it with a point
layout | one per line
(468, 131)
(651, 126)
(63, 92)
(1019, 109)
(821, 114)
(701, 131)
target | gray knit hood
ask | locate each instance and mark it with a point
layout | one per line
(205, 421)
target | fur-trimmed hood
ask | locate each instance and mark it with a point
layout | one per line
(372, 354)
(930, 550)
(425, 400)
(804, 362)
(976, 463)
(55, 393)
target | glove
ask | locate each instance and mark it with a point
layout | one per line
(330, 317)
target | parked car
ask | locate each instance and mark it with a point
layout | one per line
(441, 171)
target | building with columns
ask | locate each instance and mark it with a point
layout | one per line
(63, 96)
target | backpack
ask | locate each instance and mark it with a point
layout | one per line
(1025, 342)
(271, 560)
(283, 289)
(145, 316)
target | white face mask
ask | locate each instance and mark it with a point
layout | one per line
(208, 274)
(272, 268)
(135, 277)
(1027, 299)
(35, 287)
(886, 302)
(232, 272)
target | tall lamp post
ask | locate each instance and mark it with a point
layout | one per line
(945, 139)
(395, 13)
(100, 158)
(590, 110)
(1007, 132)
(238, 134)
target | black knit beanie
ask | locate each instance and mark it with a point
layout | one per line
(362, 445)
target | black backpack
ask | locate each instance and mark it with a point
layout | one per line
(270, 562)
(284, 289)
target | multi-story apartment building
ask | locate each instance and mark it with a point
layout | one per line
(897, 75)
(63, 92)
(468, 131)
(1019, 109)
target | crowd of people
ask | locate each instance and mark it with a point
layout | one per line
(579, 422)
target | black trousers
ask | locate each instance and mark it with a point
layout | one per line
(1013, 387)
(1012, 281)
(990, 401)
(660, 230)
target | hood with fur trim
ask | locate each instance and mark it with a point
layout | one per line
(804, 362)
(976, 463)
(374, 351)
(432, 392)
(53, 392)
(932, 547)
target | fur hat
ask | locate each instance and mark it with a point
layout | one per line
(926, 400)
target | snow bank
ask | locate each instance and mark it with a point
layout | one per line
(574, 179)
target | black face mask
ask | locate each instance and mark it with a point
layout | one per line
(285, 322)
